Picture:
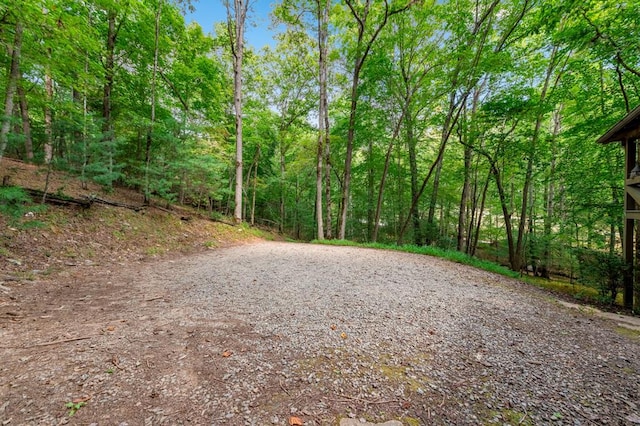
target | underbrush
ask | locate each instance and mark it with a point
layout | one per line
(574, 290)
(454, 256)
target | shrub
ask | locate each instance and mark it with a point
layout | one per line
(14, 201)
(605, 271)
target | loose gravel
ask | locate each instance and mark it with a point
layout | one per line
(264, 333)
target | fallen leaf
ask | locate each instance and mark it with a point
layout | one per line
(226, 354)
(111, 328)
(333, 326)
(343, 335)
(295, 421)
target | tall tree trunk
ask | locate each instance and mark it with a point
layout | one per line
(464, 197)
(370, 191)
(235, 28)
(255, 187)
(476, 236)
(283, 185)
(433, 202)
(383, 178)
(327, 180)
(12, 83)
(323, 120)
(413, 171)
(506, 215)
(26, 123)
(450, 120)
(109, 65)
(550, 192)
(463, 214)
(154, 78)
(85, 130)
(319, 175)
(346, 180)
(48, 118)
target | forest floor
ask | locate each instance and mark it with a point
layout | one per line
(114, 317)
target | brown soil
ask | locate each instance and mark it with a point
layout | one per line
(57, 289)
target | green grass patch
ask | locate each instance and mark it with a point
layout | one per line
(451, 255)
(627, 332)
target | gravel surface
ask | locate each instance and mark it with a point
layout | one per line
(271, 332)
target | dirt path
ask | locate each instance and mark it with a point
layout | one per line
(256, 334)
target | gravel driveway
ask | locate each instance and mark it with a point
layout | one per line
(269, 332)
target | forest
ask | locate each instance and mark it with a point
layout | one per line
(469, 125)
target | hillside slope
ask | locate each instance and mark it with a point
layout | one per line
(44, 241)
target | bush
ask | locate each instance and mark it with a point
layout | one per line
(13, 201)
(602, 270)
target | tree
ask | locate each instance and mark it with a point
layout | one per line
(12, 78)
(366, 34)
(236, 17)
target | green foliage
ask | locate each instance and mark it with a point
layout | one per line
(104, 168)
(74, 407)
(452, 255)
(604, 271)
(18, 206)
(14, 201)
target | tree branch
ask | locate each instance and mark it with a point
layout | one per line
(174, 89)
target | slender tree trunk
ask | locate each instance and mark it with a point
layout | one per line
(328, 201)
(346, 181)
(26, 123)
(476, 235)
(450, 121)
(48, 118)
(109, 65)
(370, 191)
(550, 192)
(255, 188)
(282, 187)
(471, 213)
(14, 75)
(154, 78)
(323, 122)
(85, 132)
(413, 171)
(236, 38)
(433, 202)
(464, 197)
(513, 261)
(383, 178)
(463, 214)
(327, 180)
